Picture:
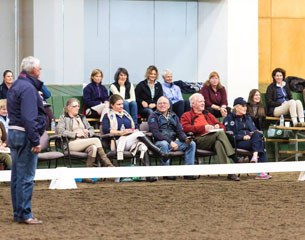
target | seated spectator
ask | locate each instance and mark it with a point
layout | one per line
(246, 134)
(3, 114)
(125, 89)
(173, 93)
(80, 134)
(202, 124)
(215, 96)
(279, 99)
(5, 158)
(148, 92)
(118, 122)
(169, 136)
(8, 78)
(95, 96)
(45, 94)
(256, 109)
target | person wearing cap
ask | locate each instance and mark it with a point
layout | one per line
(246, 134)
(279, 99)
(209, 133)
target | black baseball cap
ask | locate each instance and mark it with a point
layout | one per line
(240, 101)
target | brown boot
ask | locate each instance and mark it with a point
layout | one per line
(90, 162)
(105, 162)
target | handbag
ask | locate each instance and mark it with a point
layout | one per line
(277, 133)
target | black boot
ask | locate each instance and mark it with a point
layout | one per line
(152, 147)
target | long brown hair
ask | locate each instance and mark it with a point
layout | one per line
(260, 107)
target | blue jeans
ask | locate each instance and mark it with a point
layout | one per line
(145, 112)
(23, 172)
(189, 149)
(132, 109)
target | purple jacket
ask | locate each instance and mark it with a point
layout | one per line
(94, 94)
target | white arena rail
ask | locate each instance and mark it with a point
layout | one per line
(176, 170)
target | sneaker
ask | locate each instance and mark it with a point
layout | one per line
(262, 176)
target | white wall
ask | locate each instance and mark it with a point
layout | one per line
(242, 47)
(71, 37)
(228, 44)
(136, 34)
(59, 40)
(8, 35)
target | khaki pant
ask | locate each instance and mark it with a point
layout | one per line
(6, 160)
(89, 145)
(292, 107)
(218, 142)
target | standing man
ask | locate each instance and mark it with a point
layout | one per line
(27, 123)
(169, 136)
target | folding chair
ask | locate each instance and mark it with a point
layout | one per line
(47, 154)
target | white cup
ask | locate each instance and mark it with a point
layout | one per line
(287, 124)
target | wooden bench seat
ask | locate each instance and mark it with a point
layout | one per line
(282, 140)
(271, 118)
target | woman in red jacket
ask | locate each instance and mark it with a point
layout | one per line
(215, 96)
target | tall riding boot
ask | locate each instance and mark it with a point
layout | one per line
(90, 162)
(145, 161)
(152, 147)
(105, 162)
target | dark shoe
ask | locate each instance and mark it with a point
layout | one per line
(190, 177)
(152, 147)
(233, 177)
(32, 221)
(171, 178)
(88, 180)
(151, 179)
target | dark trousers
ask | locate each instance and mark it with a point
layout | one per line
(255, 144)
(180, 107)
(217, 113)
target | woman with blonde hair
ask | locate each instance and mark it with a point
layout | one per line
(95, 95)
(215, 96)
(148, 92)
(3, 114)
(80, 134)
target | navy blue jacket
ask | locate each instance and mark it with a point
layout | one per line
(3, 91)
(163, 129)
(25, 107)
(94, 94)
(271, 97)
(240, 126)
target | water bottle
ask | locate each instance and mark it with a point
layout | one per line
(122, 127)
(282, 121)
(53, 125)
